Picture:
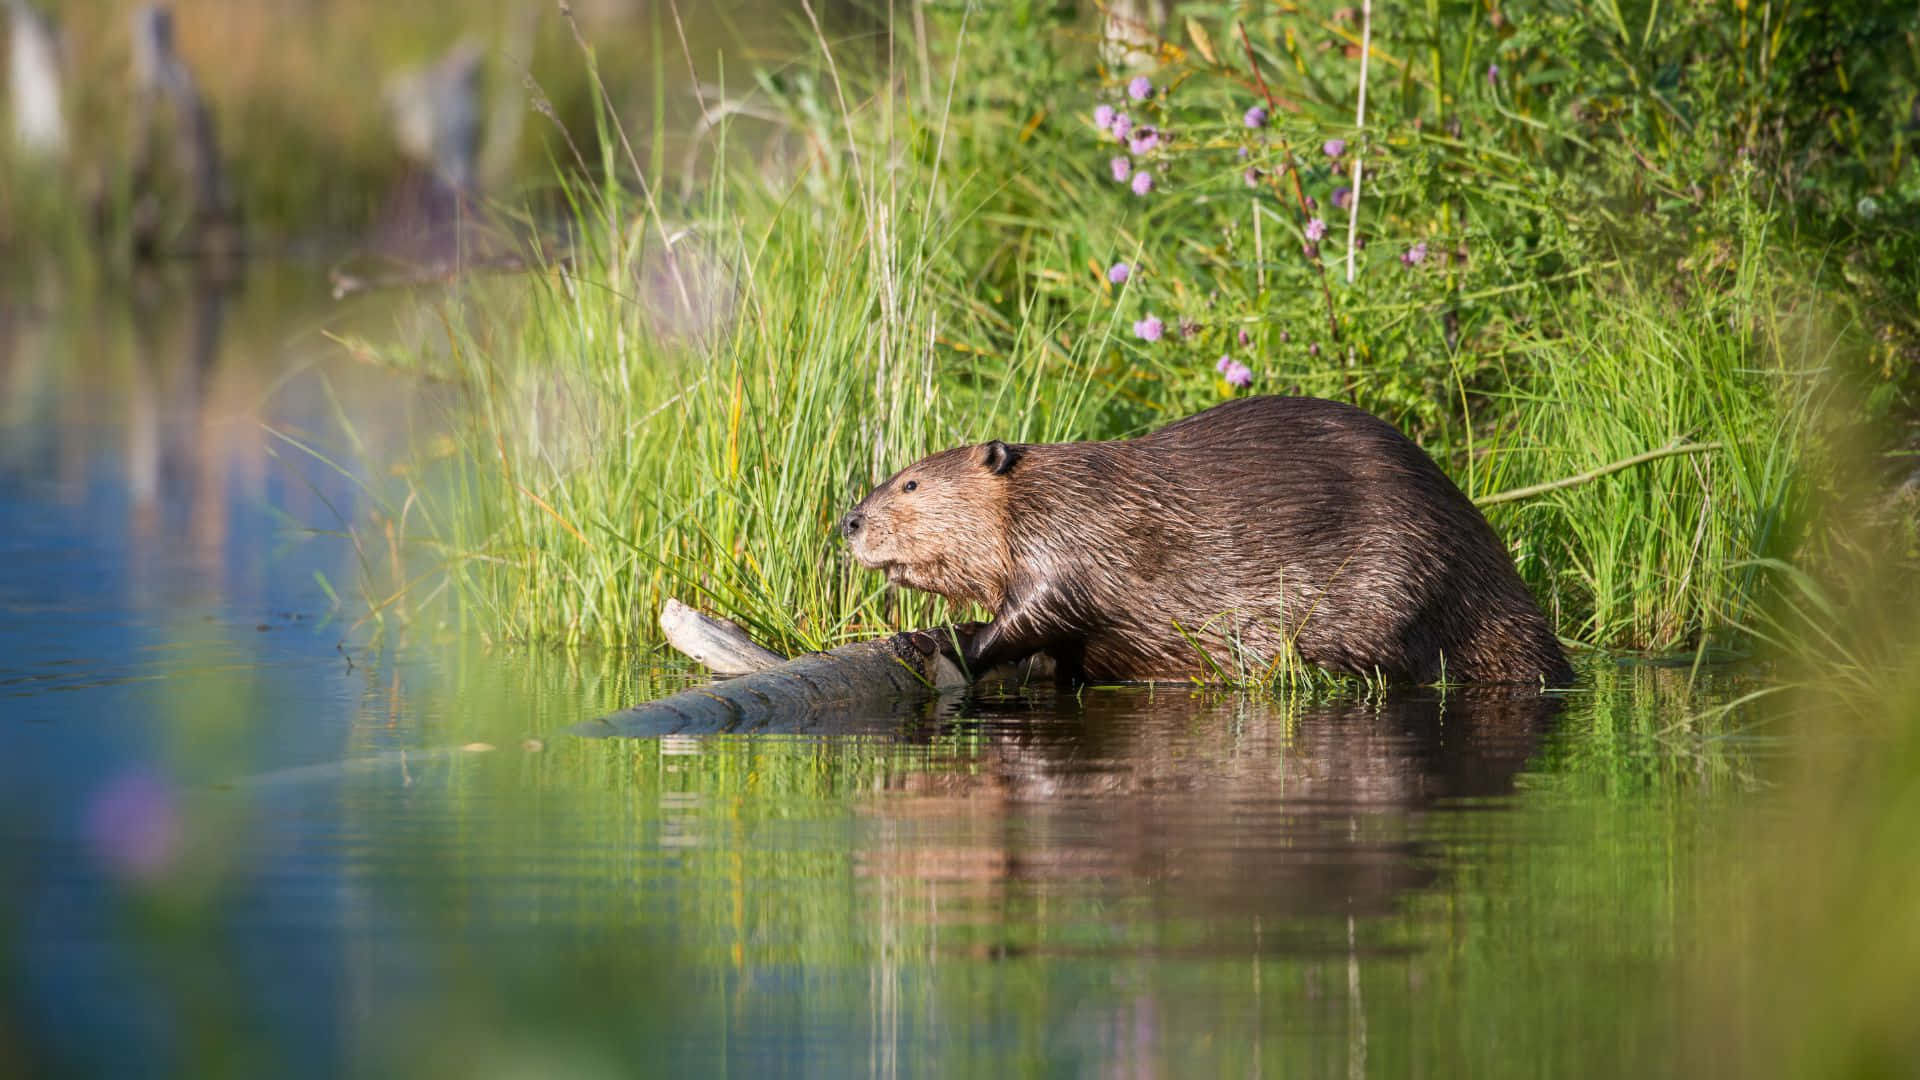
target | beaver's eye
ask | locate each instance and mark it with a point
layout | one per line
(910, 485)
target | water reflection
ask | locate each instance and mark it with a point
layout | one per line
(1225, 804)
(1130, 881)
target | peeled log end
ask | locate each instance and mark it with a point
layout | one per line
(717, 644)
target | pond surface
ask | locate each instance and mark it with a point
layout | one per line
(245, 833)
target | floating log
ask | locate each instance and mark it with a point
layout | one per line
(868, 685)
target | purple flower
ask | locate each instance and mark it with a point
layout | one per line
(1333, 148)
(1143, 141)
(1246, 339)
(1140, 88)
(1415, 255)
(1255, 117)
(1103, 117)
(1142, 182)
(1149, 329)
(1313, 349)
(1119, 272)
(1251, 176)
(1316, 229)
(1285, 337)
(1122, 123)
(1122, 168)
(1342, 197)
(133, 825)
(1493, 74)
(1237, 373)
(1223, 363)
(1242, 155)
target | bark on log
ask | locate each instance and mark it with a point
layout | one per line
(866, 686)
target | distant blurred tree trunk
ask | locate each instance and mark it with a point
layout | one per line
(33, 82)
(1130, 32)
(174, 144)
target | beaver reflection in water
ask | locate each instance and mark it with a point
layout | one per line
(1256, 526)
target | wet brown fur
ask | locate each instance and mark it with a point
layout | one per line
(1260, 525)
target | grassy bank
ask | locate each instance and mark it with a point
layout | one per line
(1565, 251)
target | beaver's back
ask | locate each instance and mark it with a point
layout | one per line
(1272, 522)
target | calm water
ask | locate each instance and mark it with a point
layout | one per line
(244, 833)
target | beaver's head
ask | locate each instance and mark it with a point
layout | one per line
(940, 524)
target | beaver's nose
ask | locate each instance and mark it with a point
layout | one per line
(851, 523)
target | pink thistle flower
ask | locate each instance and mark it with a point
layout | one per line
(1316, 229)
(1122, 169)
(1142, 182)
(1223, 363)
(1342, 197)
(1143, 142)
(1119, 272)
(1140, 88)
(1122, 123)
(1255, 117)
(1149, 329)
(1238, 374)
(1415, 255)
(1333, 148)
(1103, 117)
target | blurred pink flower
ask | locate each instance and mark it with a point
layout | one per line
(133, 825)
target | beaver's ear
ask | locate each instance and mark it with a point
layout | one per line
(998, 457)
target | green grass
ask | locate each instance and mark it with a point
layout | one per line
(902, 265)
(604, 461)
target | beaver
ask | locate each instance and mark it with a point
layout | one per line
(1260, 527)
